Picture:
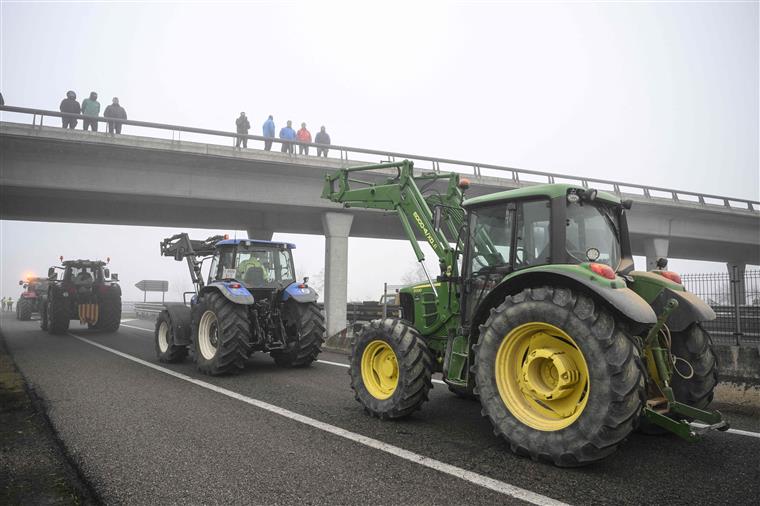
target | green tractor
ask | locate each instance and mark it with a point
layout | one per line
(537, 312)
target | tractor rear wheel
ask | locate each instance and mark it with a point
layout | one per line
(220, 335)
(166, 350)
(109, 314)
(305, 328)
(391, 369)
(57, 316)
(558, 376)
(24, 309)
(43, 314)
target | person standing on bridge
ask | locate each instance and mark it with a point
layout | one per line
(70, 105)
(91, 107)
(303, 135)
(322, 138)
(268, 128)
(115, 111)
(289, 135)
(243, 125)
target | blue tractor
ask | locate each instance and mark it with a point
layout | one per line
(251, 302)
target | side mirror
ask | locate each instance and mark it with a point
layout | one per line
(51, 273)
(107, 273)
(437, 217)
(114, 277)
(305, 279)
(20, 283)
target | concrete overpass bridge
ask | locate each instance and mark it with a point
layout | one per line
(56, 175)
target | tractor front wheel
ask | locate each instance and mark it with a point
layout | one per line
(220, 335)
(696, 367)
(391, 369)
(305, 328)
(558, 377)
(166, 350)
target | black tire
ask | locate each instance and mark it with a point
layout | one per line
(228, 334)
(611, 411)
(24, 309)
(166, 350)
(415, 368)
(305, 328)
(109, 314)
(57, 316)
(43, 314)
(694, 345)
(464, 393)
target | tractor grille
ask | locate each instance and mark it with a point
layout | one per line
(407, 307)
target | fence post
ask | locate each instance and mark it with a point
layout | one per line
(735, 296)
(385, 301)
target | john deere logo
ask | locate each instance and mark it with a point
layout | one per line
(425, 231)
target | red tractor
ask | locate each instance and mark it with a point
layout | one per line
(29, 300)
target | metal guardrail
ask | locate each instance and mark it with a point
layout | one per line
(517, 176)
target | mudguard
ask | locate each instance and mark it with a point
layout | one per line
(615, 292)
(181, 316)
(657, 290)
(238, 295)
(295, 292)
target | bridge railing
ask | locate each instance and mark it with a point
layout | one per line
(348, 154)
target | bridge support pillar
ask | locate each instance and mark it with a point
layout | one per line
(260, 234)
(336, 228)
(738, 284)
(655, 248)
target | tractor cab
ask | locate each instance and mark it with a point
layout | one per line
(256, 264)
(529, 227)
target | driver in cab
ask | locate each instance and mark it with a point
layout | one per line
(255, 270)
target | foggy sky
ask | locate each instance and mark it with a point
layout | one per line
(658, 93)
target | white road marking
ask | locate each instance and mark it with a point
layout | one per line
(474, 478)
(738, 432)
(734, 431)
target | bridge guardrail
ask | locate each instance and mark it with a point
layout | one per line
(518, 176)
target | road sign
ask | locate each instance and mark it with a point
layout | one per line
(152, 285)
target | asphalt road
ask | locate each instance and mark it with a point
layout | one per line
(146, 433)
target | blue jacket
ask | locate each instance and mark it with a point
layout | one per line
(287, 134)
(269, 128)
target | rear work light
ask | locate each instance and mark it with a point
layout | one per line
(603, 270)
(673, 276)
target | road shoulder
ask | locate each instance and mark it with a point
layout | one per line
(34, 468)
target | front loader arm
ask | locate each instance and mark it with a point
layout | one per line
(181, 247)
(402, 195)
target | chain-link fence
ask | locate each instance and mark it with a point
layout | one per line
(735, 302)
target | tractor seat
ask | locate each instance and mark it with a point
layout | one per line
(83, 278)
(254, 276)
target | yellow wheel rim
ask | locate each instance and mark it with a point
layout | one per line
(542, 376)
(379, 369)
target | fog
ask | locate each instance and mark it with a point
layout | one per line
(657, 93)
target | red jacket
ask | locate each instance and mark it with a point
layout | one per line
(303, 135)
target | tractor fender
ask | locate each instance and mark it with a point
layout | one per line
(239, 294)
(301, 295)
(690, 309)
(181, 318)
(615, 293)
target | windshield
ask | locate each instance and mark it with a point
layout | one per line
(592, 233)
(264, 267)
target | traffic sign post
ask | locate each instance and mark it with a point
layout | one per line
(153, 285)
